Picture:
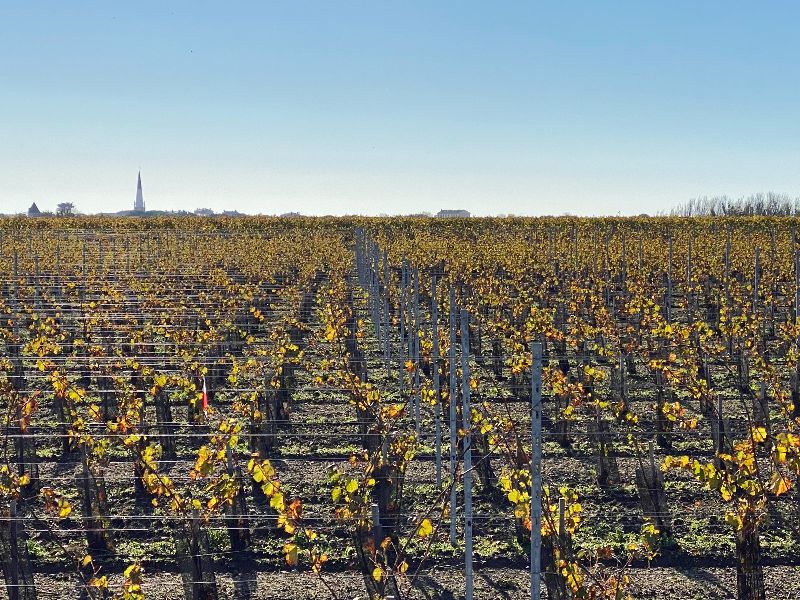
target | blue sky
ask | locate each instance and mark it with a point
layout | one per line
(341, 107)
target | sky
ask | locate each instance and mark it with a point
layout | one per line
(392, 107)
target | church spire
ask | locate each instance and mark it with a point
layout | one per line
(138, 206)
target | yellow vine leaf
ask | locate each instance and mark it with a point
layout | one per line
(290, 551)
(425, 528)
(759, 434)
(779, 484)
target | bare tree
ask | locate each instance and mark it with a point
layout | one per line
(770, 204)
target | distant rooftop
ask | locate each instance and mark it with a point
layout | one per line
(453, 214)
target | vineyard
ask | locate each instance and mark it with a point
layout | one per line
(400, 408)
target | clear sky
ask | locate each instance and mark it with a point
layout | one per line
(337, 107)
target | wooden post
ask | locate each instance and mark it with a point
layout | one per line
(387, 352)
(727, 274)
(641, 257)
(436, 387)
(13, 560)
(668, 302)
(377, 529)
(756, 279)
(415, 353)
(689, 287)
(536, 470)
(718, 432)
(452, 397)
(374, 292)
(402, 314)
(466, 425)
(796, 285)
(623, 266)
(14, 556)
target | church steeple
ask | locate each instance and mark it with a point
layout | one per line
(138, 206)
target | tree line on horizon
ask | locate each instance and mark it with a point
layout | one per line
(769, 204)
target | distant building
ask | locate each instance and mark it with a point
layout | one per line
(34, 211)
(204, 212)
(453, 214)
(291, 214)
(138, 205)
